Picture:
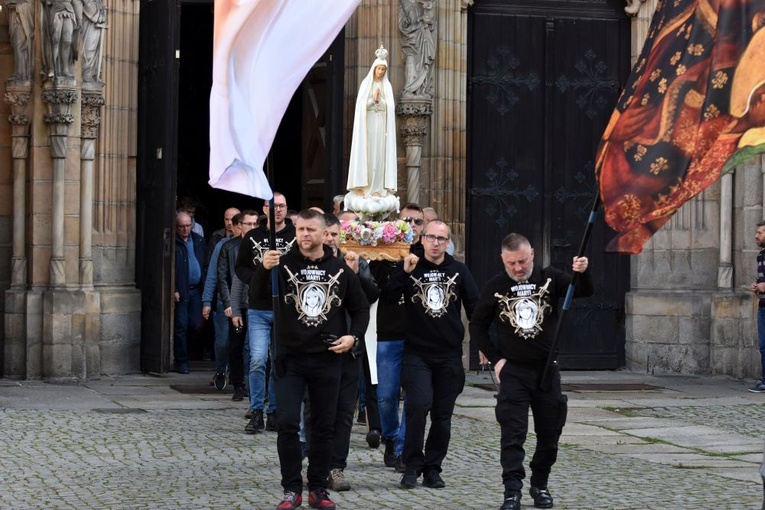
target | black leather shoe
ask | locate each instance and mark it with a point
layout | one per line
(542, 498)
(373, 438)
(433, 480)
(512, 503)
(400, 466)
(389, 457)
(409, 480)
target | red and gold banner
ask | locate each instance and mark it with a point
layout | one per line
(693, 107)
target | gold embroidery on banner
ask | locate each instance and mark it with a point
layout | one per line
(655, 75)
(662, 86)
(675, 58)
(681, 70)
(640, 152)
(659, 166)
(711, 112)
(696, 49)
(720, 79)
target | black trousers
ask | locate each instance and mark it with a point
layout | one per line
(346, 404)
(370, 392)
(432, 386)
(519, 389)
(320, 375)
(236, 351)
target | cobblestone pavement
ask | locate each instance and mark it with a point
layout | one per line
(139, 443)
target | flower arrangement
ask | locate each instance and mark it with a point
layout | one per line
(374, 233)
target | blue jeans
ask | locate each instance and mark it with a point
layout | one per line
(761, 335)
(390, 356)
(188, 316)
(259, 324)
(220, 322)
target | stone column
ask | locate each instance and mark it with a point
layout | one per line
(18, 98)
(92, 101)
(17, 95)
(725, 267)
(414, 118)
(59, 101)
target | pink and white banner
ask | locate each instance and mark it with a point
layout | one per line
(262, 50)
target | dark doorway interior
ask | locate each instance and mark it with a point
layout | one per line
(195, 82)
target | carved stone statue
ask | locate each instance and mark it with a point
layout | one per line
(417, 25)
(93, 26)
(21, 30)
(60, 28)
(373, 168)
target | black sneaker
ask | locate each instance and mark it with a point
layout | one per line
(238, 394)
(219, 381)
(256, 422)
(409, 480)
(373, 438)
(389, 457)
(400, 466)
(433, 480)
(542, 498)
(271, 422)
(512, 502)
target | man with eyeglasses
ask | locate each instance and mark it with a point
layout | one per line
(260, 315)
(226, 262)
(190, 255)
(434, 287)
(391, 323)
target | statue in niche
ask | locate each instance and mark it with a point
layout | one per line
(60, 30)
(93, 26)
(373, 167)
(416, 23)
(21, 29)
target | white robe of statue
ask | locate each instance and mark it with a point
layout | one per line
(373, 167)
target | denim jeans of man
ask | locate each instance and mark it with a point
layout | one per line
(259, 323)
(432, 386)
(320, 375)
(521, 389)
(188, 319)
(761, 337)
(220, 322)
(390, 356)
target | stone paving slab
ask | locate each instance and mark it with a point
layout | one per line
(99, 450)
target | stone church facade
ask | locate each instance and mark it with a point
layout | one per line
(68, 192)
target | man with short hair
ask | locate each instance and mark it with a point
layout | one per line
(229, 252)
(317, 291)
(190, 253)
(391, 324)
(435, 287)
(210, 297)
(521, 303)
(430, 214)
(758, 287)
(260, 313)
(351, 363)
(227, 230)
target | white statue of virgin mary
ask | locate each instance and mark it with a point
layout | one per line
(372, 173)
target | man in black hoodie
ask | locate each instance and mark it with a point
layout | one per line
(434, 289)
(260, 315)
(317, 290)
(521, 302)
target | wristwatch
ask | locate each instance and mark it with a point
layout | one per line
(355, 341)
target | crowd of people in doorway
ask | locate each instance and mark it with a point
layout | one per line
(303, 365)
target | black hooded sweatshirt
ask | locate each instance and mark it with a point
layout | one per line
(251, 251)
(524, 314)
(433, 299)
(315, 296)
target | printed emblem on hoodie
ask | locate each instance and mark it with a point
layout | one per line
(434, 291)
(314, 293)
(524, 308)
